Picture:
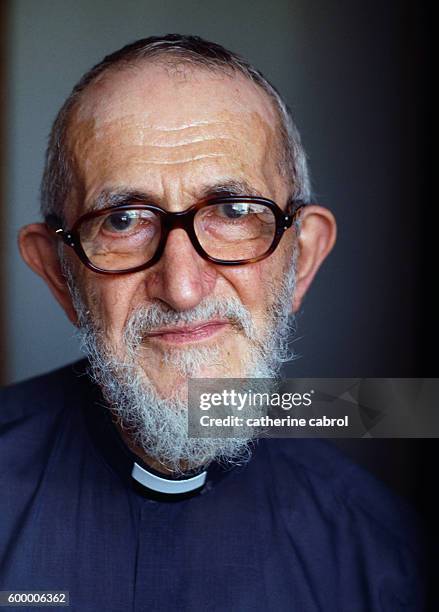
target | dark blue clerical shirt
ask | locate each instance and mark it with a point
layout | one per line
(299, 528)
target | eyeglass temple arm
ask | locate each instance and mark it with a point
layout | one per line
(294, 209)
(55, 223)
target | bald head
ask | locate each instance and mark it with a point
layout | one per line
(181, 59)
(154, 130)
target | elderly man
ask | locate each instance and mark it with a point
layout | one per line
(179, 238)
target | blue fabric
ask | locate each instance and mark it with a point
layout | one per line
(299, 528)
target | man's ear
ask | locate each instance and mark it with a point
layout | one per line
(317, 236)
(38, 248)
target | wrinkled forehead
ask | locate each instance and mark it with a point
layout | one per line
(168, 97)
(153, 116)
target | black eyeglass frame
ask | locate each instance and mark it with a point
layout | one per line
(172, 220)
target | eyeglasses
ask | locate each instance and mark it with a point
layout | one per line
(226, 230)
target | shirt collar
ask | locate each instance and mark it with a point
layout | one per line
(161, 484)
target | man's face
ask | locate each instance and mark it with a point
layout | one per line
(178, 137)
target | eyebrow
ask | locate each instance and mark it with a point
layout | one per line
(231, 187)
(110, 198)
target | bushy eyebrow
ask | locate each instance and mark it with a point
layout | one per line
(114, 197)
(231, 187)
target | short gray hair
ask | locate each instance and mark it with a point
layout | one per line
(58, 177)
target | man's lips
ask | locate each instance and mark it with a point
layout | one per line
(189, 333)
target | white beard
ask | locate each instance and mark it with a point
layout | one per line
(157, 425)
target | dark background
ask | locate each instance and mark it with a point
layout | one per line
(359, 78)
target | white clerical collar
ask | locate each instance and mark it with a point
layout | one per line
(166, 485)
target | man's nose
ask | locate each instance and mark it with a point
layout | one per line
(181, 278)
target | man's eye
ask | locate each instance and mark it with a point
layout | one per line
(120, 222)
(233, 211)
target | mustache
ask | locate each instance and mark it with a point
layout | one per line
(149, 318)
